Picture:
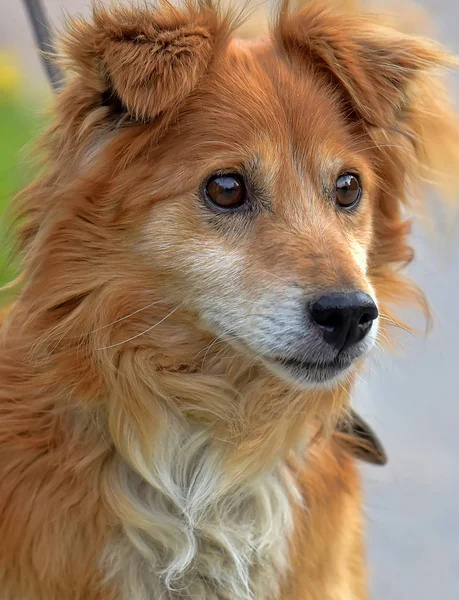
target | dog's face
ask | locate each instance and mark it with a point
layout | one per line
(265, 219)
(259, 183)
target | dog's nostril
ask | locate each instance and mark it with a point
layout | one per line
(329, 318)
(344, 319)
(366, 318)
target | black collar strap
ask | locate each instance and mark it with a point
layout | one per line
(357, 437)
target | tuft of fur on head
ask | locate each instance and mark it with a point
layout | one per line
(148, 59)
(123, 398)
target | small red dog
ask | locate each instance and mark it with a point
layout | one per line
(209, 253)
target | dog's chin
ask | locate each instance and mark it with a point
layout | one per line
(307, 374)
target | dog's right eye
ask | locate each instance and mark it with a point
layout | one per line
(226, 192)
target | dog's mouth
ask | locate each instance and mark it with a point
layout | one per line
(304, 371)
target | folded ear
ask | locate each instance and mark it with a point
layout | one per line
(371, 64)
(147, 58)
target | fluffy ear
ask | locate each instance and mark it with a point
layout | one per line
(370, 63)
(147, 59)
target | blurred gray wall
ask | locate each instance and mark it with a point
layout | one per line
(412, 505)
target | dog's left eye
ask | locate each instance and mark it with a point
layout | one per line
(348, 190)
(226, 192)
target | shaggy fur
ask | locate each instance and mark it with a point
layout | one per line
(149, 448)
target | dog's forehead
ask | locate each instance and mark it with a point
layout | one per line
(254, 92)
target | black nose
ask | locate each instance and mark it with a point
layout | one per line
(345, 319)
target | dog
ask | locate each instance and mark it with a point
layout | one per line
(211, 248)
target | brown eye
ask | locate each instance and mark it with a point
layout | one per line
(226, 191)
(348, 190)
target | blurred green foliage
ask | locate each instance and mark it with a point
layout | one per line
(19, 124)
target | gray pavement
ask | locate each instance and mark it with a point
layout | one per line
(412, 505)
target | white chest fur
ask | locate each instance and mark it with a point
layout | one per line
(185, 534)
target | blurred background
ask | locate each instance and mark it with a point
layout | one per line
(412, 400)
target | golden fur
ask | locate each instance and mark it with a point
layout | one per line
(144, 452)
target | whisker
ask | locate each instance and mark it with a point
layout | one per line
(124, 318)
(347, 392)
(218, 340)
(142, 333)
(396, 324)
(377, 146)
(274, 276)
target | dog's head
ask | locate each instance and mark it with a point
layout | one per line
(257, 185)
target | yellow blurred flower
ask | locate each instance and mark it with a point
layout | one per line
(10, 74)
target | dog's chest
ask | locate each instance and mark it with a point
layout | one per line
(178, 544)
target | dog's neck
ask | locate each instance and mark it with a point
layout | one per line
(204, 493)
